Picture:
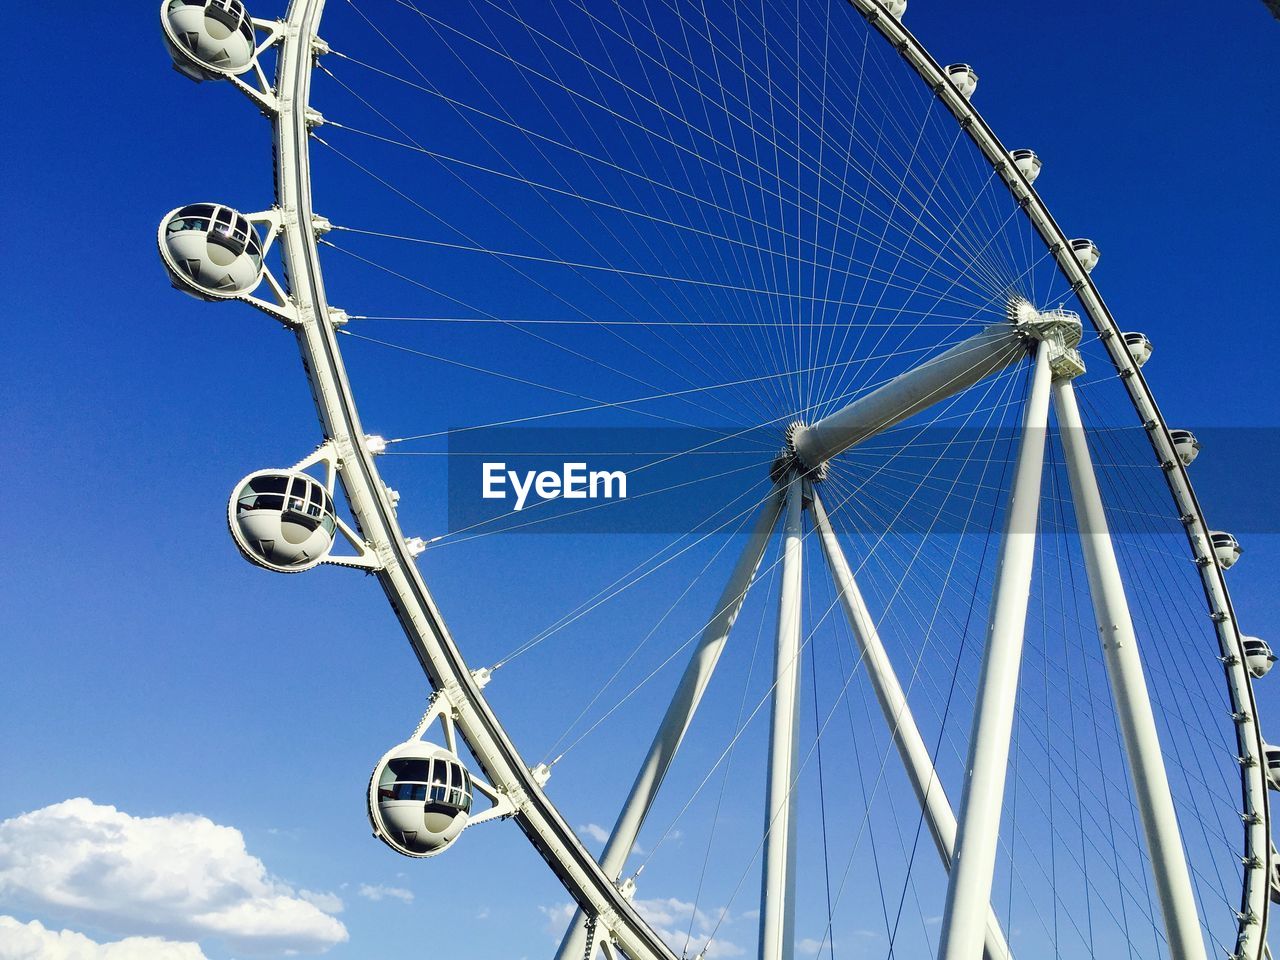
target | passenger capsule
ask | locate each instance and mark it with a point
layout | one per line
(1087, 253)
(896, 8)
(1271, 757)
(1257, 656)
(1275, 874)
(282, 520)
(1185, 445)
(419, 798)
(1140, 347)
(211, 252)
(1028, 164)
(1226, 548)
(208, 39)
(964, 78)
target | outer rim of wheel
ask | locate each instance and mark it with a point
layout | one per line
(1256, 815)
(425, 628)
(366, 493)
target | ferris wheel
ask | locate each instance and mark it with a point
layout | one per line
(906, 529)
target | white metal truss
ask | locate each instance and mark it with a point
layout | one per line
(1129, 688)
(517, 789)
(989, 351)
(1255, 902)
(916, 759)
(680, 712)
(441, 710)
(964, 919)
(498, 758)
(778, 878)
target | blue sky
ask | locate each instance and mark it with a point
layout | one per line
(149, 669)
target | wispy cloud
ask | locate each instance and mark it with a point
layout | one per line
(593, 831)
(381, 891)
(684, 927)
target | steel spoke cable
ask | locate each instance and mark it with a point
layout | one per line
(758, 308)
(628, 404)
(418, 148)
(827, 721)
(405, 196)
(1003, 238)
(454, 538)
(653, 629)
(1148, 618)
(613, 589)
(879, 781)
(542, 321)
(876, 346)
(407, 60)
(428, 90)
(609, 268)
(886, 607)
(724, 780)
(667, 293)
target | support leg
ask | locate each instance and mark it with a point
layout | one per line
(684, 704)
(964, 919)
(897, 714)
(777, 890)
(1129, 689)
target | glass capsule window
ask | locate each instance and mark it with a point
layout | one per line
(196, 216)
(232, 15)
(299, 496)
(223, 226)
(440, 782)
(230, 230)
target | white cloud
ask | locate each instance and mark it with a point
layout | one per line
(593, 831)
(34, 941)
(383, 892)
(180, 876)
(670, 919)
(558, 918)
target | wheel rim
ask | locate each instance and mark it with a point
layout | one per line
(439, 656)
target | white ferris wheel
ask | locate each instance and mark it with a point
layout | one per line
(926, 553)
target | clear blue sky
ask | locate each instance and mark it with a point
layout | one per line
(147, 667)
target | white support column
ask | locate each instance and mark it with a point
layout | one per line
(897, 714)
(964, 919)
(1129, 689)
(777, 888)
(679, 715)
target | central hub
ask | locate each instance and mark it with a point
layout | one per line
(789, 460)
(1059, 330)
